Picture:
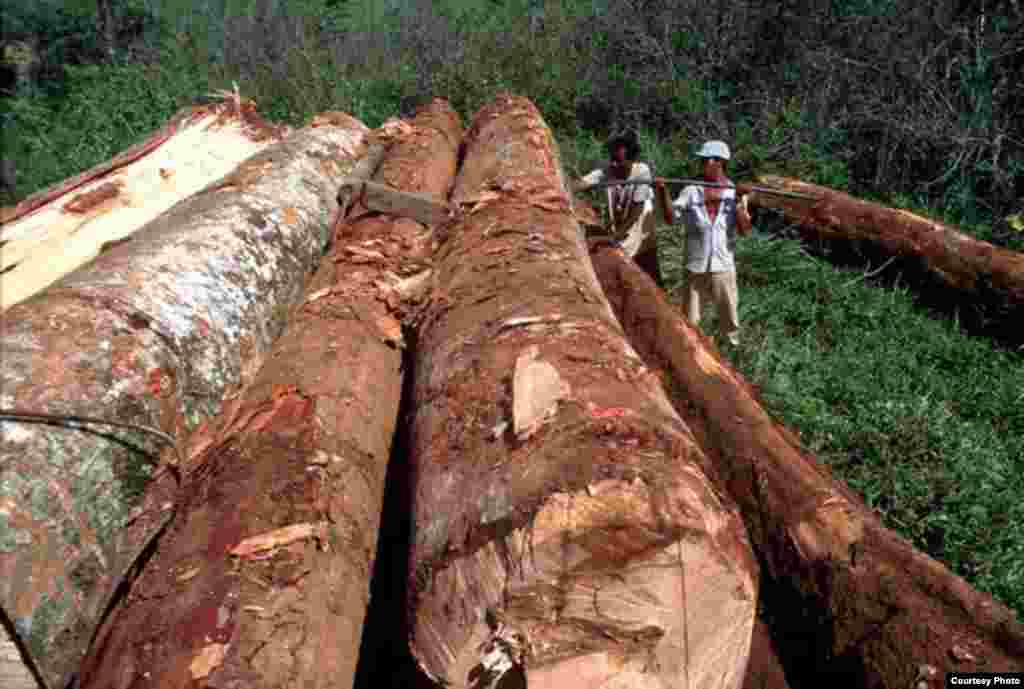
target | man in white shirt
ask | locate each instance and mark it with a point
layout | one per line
(711, 217)
(631, 218)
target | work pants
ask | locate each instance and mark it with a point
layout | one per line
(720, 289)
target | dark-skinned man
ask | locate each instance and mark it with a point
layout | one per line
(631, 217)
(711, 218)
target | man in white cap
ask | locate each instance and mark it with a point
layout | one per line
(712, 216)
(631, 218)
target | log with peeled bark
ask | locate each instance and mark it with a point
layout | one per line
(565, 534)
(865, 607)
(156, 331)
(987, 277)
(59, 229)
(263, 580)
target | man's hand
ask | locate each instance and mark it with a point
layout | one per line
(661, 194)
(743, 221)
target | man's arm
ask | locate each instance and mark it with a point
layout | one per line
(664, 201)
(588, 180)
(743, 222)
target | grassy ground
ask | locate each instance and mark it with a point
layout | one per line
(926, 422)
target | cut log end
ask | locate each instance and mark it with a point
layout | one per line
(849, 598)
(592, 594)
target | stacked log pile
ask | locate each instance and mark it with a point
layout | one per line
(156, 332)
(263, 580)
(573, 525)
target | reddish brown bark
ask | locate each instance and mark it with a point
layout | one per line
(765, 670)
(263, 580)
(992, 277)
(564, 530)
(154, 332)
(873, 608)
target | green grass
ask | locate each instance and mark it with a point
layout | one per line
(105, 110)
(926, 422)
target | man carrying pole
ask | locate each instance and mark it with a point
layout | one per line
(631, 218)
(711, 216)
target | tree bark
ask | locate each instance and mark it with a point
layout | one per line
(862, 601)
(990, 277)
(565, 535)
(155, 332)
(60, 229)
(263, 580)
(14, 674)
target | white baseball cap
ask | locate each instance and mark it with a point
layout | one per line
(714, 149)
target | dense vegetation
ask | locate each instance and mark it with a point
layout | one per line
(914, 104)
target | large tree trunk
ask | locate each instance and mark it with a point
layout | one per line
(55, 231)
(974, 272)
(155, 331)
(867, 608)
(565, 534)
(263, 580)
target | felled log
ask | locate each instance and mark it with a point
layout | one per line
(991, 277)
(263, 580)
(59, 229)
(765, 669)
(565, 535)
(866, 605)
(155, 332)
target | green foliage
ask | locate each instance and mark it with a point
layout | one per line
(104, 110)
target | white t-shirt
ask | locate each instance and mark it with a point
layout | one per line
(641, 232)
(709, 245)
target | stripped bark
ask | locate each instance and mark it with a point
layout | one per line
(565, 532)
(155, 332)
(263, 581)
(873, 608)
(62, 228)
(991, 277)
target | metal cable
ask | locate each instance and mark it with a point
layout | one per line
(65, 419)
